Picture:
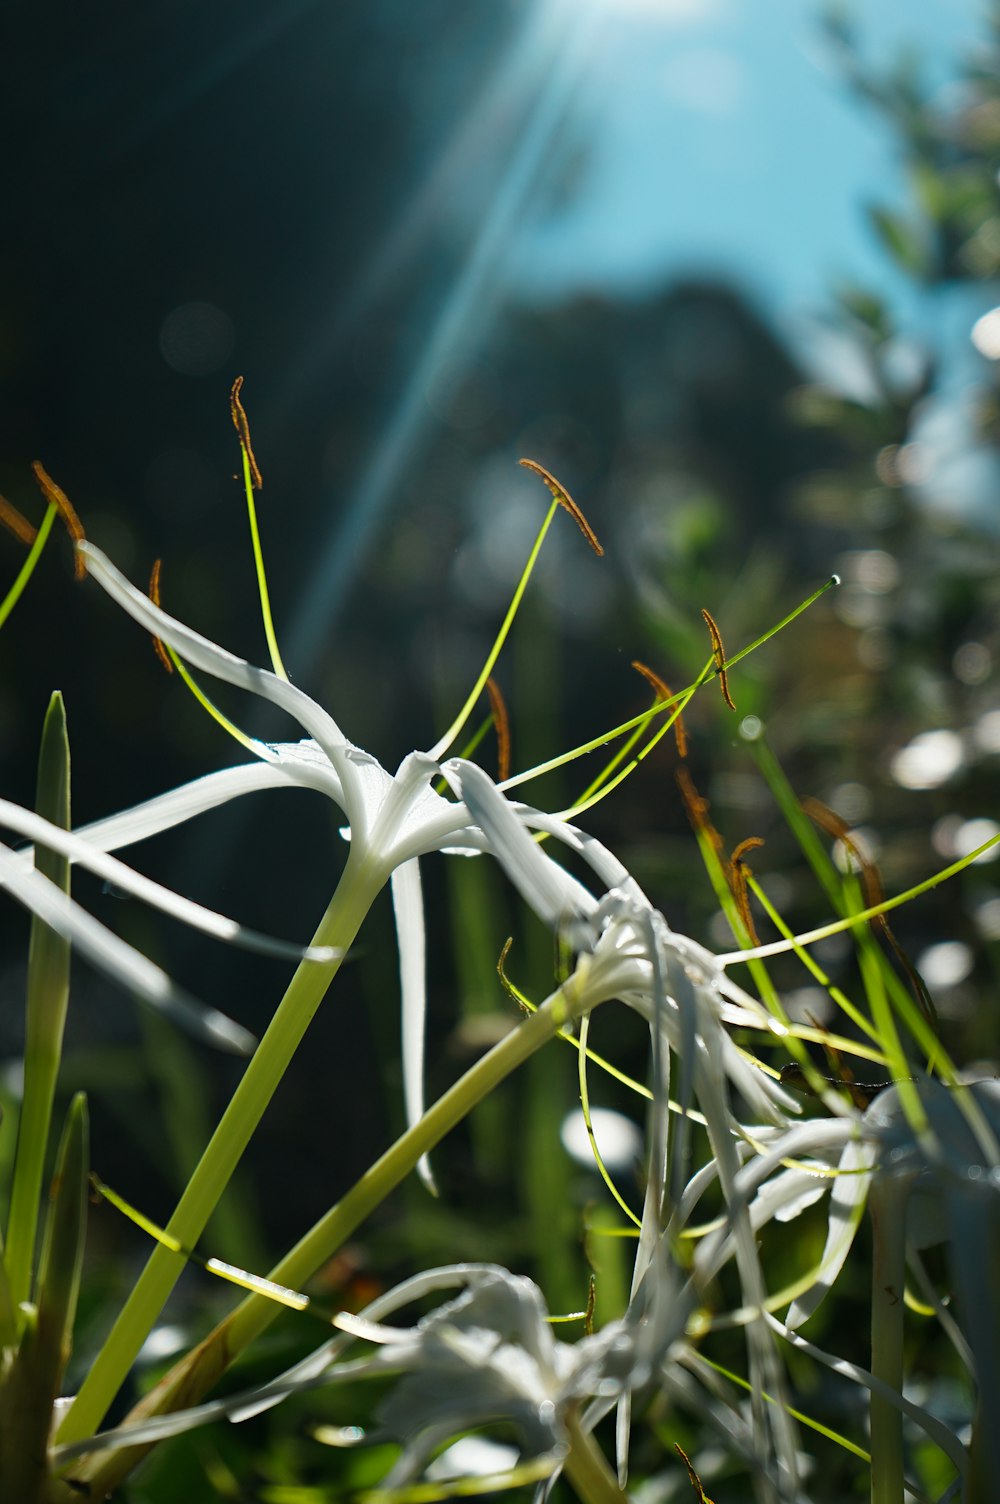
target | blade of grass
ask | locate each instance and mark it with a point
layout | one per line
(45, 1015)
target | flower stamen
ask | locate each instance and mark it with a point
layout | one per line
(56, 497)
(15, 522)
(501, 723)
(739, 875)
(874, 894)
(242, 427)
(719, 654)
(562, 496)
(154, 595)
(666, 695)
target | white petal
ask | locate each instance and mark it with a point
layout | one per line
(847, 1200)
(69, 844)
(206, 655)
(935, 1429)
(612, 872)
(556, 897)
(408, 903)
(121, 961)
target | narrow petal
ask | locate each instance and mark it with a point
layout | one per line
(408, 903)
(556, 897)
(119, 960)
(935, 1429)
(208, 656)
(612, 872)
(26, 823)
(847, 1201)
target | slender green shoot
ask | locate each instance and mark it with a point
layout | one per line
(837, 927)
(840, 998)
(27, 569)
(256, 1283)
(683, 696)
(442, 745)
(208, 705)
(785, 621)
(252, 481)
(258, 561)
(585, 1105)
(604, 783)
(805, 1420)
(45, 1015)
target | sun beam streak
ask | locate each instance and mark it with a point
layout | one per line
(460, 325)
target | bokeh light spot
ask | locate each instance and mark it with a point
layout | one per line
(945, 964)
(929, 760)
(196, 339)
(986, 334)
(972, 663)
(618, 1138)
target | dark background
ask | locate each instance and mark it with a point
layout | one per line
(194, 192)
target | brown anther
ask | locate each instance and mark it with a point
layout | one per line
(719, 654)
(697, 809)
(699, 1493)
(564, 499)
(154, 595)
(243, 429)
(505, 983)
(662, 689)
(16, 523)
(739, 872)
(501, 724)
(874, 894)
(56, 497)
(588, 1315)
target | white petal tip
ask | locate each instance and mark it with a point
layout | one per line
(427, 1176)
(232, 1038)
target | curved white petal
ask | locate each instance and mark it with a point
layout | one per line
(408, 904)
(119, 960)
(208, 656)
(42, 831)
(184, 803)
(847, 1202)
(556, 897)
(935, 1429)
(612, 872)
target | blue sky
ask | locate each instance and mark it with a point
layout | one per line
(719, 136)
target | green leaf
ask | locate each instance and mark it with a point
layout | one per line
(31, 1383)
(45, 1014)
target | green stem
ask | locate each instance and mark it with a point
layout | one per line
(199, 1370)
(258, 559)
(587, 1469)
(887, 1204)
(45, 1016)
(354, 895)
(27, 569)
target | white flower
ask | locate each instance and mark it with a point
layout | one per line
(488, 1356)
(392, 819)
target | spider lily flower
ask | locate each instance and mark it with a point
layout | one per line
(113, 955)
(392, 819)
(629, 952)
(487, 1356)
(926, 1162)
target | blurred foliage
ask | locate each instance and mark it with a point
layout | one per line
(717, 473)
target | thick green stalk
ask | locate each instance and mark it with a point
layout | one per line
(887, 1205)
(199, 1370)
(587, 1469)
(359, 884)
(45, 1016)
(31, 1383)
